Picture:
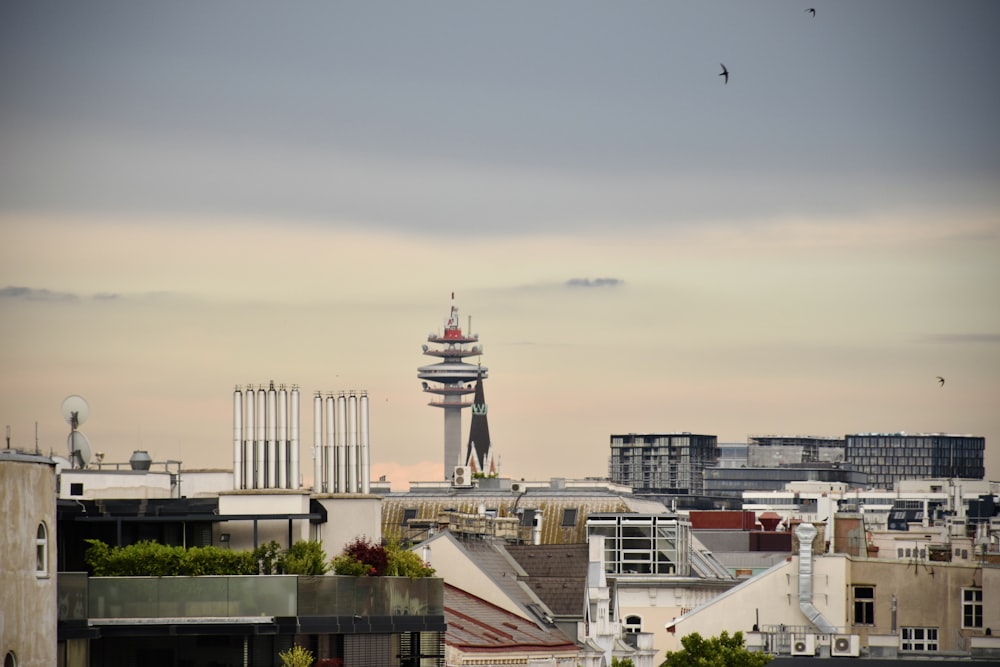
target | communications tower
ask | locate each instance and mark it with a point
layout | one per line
(452, 379)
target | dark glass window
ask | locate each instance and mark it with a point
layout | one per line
(864, 605)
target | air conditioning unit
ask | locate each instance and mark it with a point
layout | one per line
(846, 645)
(462, 476)
(517, 487)
(804, 645)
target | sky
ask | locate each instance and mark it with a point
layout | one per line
(195, 196)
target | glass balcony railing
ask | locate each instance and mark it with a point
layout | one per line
(82, 597)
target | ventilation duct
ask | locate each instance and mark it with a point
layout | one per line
(806, 532)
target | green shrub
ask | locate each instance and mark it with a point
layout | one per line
(296, 656)
(304, 557)
(151, 559)
(406, 563)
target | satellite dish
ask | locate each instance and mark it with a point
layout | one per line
(75, 410)
(79, 449)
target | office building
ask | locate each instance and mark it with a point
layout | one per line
(662, 463)
(890, 457)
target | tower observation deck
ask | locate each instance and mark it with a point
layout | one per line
(450, 380)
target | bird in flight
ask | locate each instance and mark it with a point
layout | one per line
(940, 380)
(724, 74)
(811, 11)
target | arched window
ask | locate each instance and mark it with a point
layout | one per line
(42, 551)
(10, 660)
(633, 624)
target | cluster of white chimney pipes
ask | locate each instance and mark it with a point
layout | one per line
(266, 440)
(340, 443)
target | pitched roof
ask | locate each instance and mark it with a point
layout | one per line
(475, 625)
(557, 573)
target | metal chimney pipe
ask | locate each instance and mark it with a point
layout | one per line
(294, 475)
(260, 444)
(248, 448)
(281, 440)
(352, 444)
(319, 470)
(237, 439)
(341, 484)
(272, 449)
(363, 454)
(329, 446)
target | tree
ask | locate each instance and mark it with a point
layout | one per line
(721, 651)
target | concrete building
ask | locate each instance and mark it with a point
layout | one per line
(645, 570)
(890, 457)
(662, 463)
(28, 594)
(839, 605)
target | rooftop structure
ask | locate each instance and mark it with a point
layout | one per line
(451, 379)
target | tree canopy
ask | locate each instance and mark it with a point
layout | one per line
(721, 651)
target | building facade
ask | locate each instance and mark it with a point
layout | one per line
(662, 463)
(765, 451)
(890, 457)
(28, 555)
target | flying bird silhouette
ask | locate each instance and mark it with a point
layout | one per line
(811, 11)
(940, 380)
(724, 74)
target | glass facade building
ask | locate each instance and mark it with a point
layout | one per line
(890, 457)
(669, 463)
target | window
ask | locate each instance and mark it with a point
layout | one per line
(569, 517)
(408, 515)
(633, 624)
(972, 607)
(42, 551)
(864, 605)
(919, 639)
(10, 660)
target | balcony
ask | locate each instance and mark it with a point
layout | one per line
(113, 600)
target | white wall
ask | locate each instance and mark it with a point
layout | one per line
(774, 596)
(349, 517)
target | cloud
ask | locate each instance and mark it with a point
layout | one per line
(34, 294)
(961, 339)
(596, 282)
